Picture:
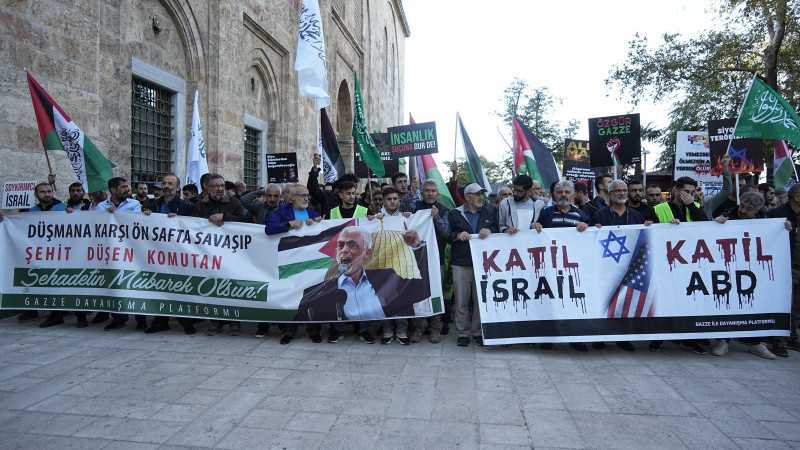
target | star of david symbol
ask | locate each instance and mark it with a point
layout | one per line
(608, 241)
(737, 153)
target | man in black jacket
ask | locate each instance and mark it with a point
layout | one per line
(466, 220)
(171, 204)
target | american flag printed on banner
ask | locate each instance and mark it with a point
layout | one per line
(630, 298)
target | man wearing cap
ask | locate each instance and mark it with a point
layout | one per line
(468, 219)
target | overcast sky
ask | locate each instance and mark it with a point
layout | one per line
(462, 54)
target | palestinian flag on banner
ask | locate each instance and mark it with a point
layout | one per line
(532, 157)
(325, 242)
(474, 166)
(784, 165)
(59, 132)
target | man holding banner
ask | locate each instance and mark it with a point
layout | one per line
(791, 212)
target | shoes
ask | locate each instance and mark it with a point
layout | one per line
(579, 346)
(598, 345)
(435, 337)
(156, 328)
(367, 337)
(793, 344)
(762, 351)
(478, 339)
(626, 345)
(214, 329)
(334, 336)
(285, 339)
(28, 316)
(141, 324)
(262, 330)
(189, 329)
(693, 347)
(51, 321)
(115, 325)
(779, 350)
(315, 338)
(404, 340)
(463, 341)
(445, 329)
(416, 336)
(386, 340)
(82, 322)
(100, 317)
(546, 346)
(236, 328)
(721, 348)
(654, 346)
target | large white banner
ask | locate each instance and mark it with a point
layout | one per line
(188, 267)
(693, 280)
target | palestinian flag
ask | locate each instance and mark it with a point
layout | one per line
(474, 166)
(59, 132)
(325, 243)
(532, 157)
(784, 165)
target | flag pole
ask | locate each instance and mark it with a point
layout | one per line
(46, 156)
(730, 141)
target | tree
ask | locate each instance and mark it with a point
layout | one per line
(495, 172)
(707, 77)
(535, 108)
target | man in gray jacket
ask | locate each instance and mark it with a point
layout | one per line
(522, 209)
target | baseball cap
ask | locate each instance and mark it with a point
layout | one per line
(473, 188)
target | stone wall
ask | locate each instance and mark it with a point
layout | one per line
(238, 54)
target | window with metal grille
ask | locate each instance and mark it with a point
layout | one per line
(151, 131)
(252, 145)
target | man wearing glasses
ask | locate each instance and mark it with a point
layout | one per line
(520, 211)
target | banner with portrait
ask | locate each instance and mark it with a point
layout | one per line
(348, 269)
(693, 280)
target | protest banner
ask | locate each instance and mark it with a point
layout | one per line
(692, 159)
(282, 167)
(18, 194)
(391, 166)
(694, 280)
(413, 140)
(576, 163)
(188, 267)
(746, 153)
(615, 140)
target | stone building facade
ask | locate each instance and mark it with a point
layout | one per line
(126, 73)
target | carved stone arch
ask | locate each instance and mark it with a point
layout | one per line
(260, 62)
(181, 12)
(344, 123)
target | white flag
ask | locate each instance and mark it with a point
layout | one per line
(197, 163)
(312, 70)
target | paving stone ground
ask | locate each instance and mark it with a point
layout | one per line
(62, 388)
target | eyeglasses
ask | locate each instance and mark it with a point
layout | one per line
(217, 186)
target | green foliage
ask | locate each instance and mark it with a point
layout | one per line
(495, 171)
(707, 77)
(535, 108)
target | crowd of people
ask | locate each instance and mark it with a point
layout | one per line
(521, 206)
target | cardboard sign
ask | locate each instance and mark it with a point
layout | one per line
(692, 159)
(282, 167)
(382, 142)
(18, 194)
(746, 155)
(413, 140)
(615, 140)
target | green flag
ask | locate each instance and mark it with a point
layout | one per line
(766, 115)
(366, 147)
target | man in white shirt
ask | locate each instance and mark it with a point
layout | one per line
(522, 209)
